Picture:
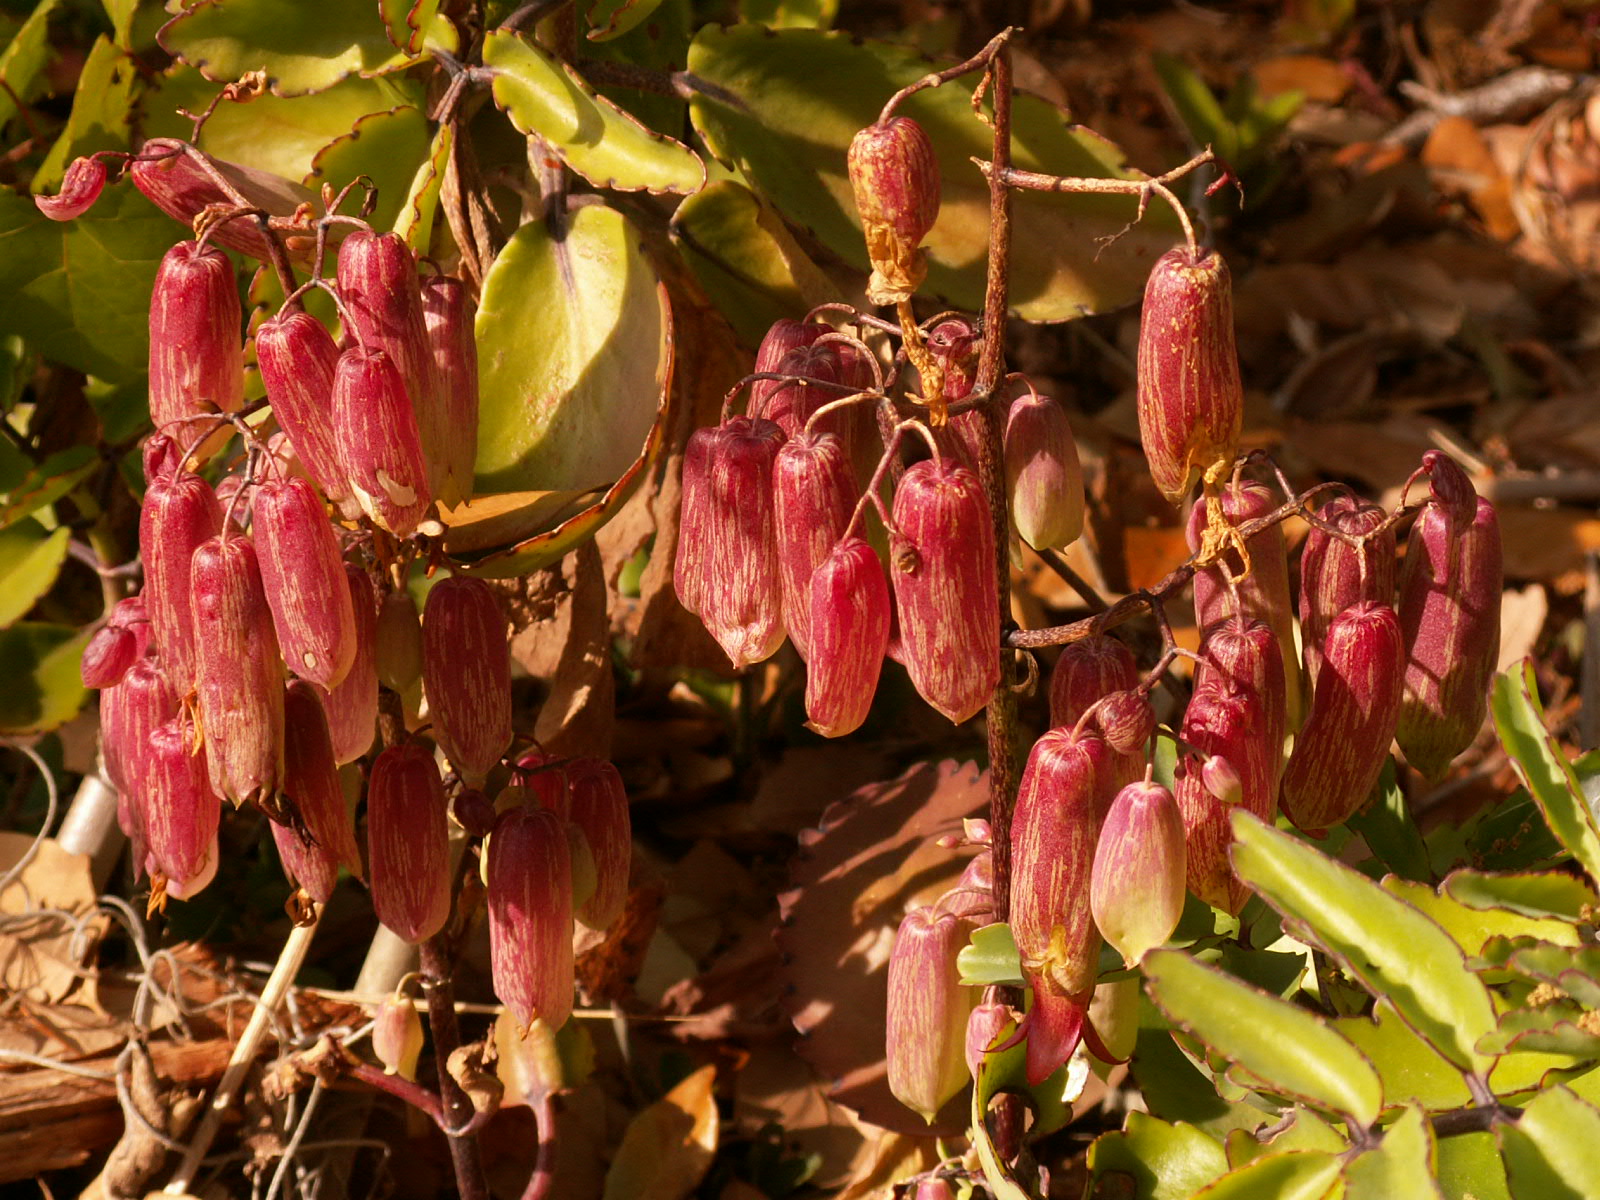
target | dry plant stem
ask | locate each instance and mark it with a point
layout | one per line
(287, 967)
(983, 58)
(460, 1130)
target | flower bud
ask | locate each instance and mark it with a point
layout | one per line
(790, 404)
(1114, 1015)
(129, 712)
(814, 494)
(985, 1025)
(239, 671)
(181, 811)
(473, 811)
(1136, 888)
(466, 673)
(1227, 721)
(954, 345)
(1087, 671)
(1246, 655)
(1127, 721)
(397, 1035)
(408, 842)
(116, 645)
(850, 634)
(735, 546)
(1263, 594)
(399, 641)
(1450, 621)
(179, 514)
(196, 340)
(81, 185)
(1190, 400)
(689, 567)
(298, 359)
(1346, 737)
(379, 444)
(447, 316)
(175, 178)
(895, 178)
(304, 580)
(351, 705)
(528, 875)
(944, 587)
(934, 1188)
(926, 1031)
(311, 782)
(1334, 576)
(599, 807)
(1043, 475)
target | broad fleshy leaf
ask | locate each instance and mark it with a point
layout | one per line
(1472, 927)
(1543, 769)
(1289, 1049)
(1051, 1102)
(415, 221)
(388, 147)
(1167, 1162)
(991, 957)
(613, 18)
(101, 113)
(41, 662)
(1296, 1175)
(300, 51)
(789, 139)
(1413, 1072)
(1393, 949)
(1400, 1165)
(407, 22)
(1549, 1151)
(1470, 1167)
(594, 137)
(30, 559)
(24, 58)
(1531, 893)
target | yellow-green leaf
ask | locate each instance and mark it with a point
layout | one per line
(1290, 1050)
(30, 560)
(1550, 1150)
(415, 221)
(1297, 1175)
(1400, 1165)
(1413, 1072)
(668, 1147)
(613, 18)
(39, 663)
(1163, 1161)
(594, 137)
(388, 147)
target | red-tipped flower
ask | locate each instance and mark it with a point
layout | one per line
(408, 842)
(116, 645)
(178, 516)
(129, 712)
(447, 315)
(352, 704)
(466, 673)
(304, 579)
(895, 178)
(528, 882)
(944, 587)
(850, 613)
(1191, 402)
(814, 494)
(181, 811)
(1087, 671)
(1335, 575)
(599, 807)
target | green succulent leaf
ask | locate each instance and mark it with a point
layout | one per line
(762, 111)
(102, 108)
(1293, 1052)
(79, 291)
(1472, 927)
(416, 216)
(1051, 1101)
(406, 22)
(1550, 1150)
(1413, 1072)
(1390, 833)
(1174, 1089)
(790, 14)
(1469, 1167)
(30, 560)
(1531, 893)
(612, 18)
(1543, 769)
(1149, 1159)
(43, 690)
(544, 97)
(1552, 1029)
(300, 52)
(1296, 1175)
(746, 259)
(24, 58)
(1402, 1164)
(1575, 971)
(1394, 950)
(46, 483)
(575, 359)
(389, 148)
(989, 957)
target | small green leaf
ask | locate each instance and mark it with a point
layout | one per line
(1197, 106)
(1297, 1175)
(1550, 1150)
(1575, 971)
(1401, 1165)
(1393, 949)
(1511, 836)
(406, 22)
(1472, 927)
(613, 18)
(30, 560)
(301, 49)
(1523, 1070)
(79, 291)
(990, 957)
(415, 219)
(1531, 893)
(1543, 769)
(1470, 1167)
(1291, 1051)
(1390, 833)
(790, 14)
(764, 113)
(1051, 1101)
(746, 259)
(1307, 1131)
(39, 663)
(1160, 1161)
(1553, 1029)
(24, 59)
(47, 483)
(1413, 1072)
(389, 148)
(1174, 1089)
(608, 147)
(102, 112)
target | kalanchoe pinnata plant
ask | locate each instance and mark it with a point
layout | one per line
(1043, 475)
(1191, 402)
(1136, 888)
(130, 710)
(180, 514)
(397, 1034)
(81, 186)
(352, 704)
(1342, 747)
(598, 806)
(117, 644)
(850, 609)
(1449, 618)
(447, 316)
(895, 178)
(304, 581)
(528, 888)
(181, 810)
(399, 641)
(1335, 575)
(298, 359)
(942, 553)
(814, 495)
(196, 340)
(466, 673)
(926, 1028)
(311, 782)
(379, 444)
(408, 842)
(1087, 671)
(239, 671)
(790, 404)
